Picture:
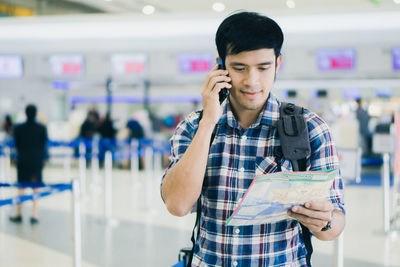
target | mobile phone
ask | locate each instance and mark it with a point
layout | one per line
(223, 94)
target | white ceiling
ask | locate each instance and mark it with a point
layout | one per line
(271, 7)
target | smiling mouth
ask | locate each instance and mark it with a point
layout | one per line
(250, 93)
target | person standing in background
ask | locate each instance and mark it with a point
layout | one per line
(363, 121)
(87, 131)
(136, 131)
(30, 142)
(8, 126)
(107, 133)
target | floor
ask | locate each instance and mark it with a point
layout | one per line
(142, 233)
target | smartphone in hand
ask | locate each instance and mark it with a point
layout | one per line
(223, 94)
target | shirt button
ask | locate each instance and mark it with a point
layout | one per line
(237, 230)
(241, 169)
(244, 138)
(235, 263)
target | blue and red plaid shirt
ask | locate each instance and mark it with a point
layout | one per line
(236, 157)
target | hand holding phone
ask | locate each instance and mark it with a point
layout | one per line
(216, 85)
(224, 93)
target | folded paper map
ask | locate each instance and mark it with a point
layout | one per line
(269, 196)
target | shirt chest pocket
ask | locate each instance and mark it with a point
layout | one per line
(266, 165)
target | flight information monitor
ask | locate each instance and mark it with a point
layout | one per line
(336, 59)
(129, 64)
(66, 65)
(11, 66)
(383, 92)
(396, 58)
(351, 93)
(195, 62)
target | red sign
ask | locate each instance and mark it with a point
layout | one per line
(134, 67)
(71, 68)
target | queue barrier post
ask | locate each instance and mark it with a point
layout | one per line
(95, 164)
(338, 260)
(149, 174)
(82, 168)
(134, 147)
(76, 226)
(108, 190)
(386, 192)
(7, 163)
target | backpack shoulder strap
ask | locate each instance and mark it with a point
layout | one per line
(293, 135)
(295, 146)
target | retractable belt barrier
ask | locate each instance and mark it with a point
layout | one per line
(99, 146)
(50, 189)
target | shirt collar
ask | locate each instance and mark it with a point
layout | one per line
(269, 116)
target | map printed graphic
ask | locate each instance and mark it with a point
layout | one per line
(271, 195)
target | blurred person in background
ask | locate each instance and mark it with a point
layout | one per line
(363, 128)
(87, 131)
(107, 133)
(89, 126)
(30, 142)
(8, 126)
(136, 131)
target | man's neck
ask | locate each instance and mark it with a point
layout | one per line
(246, 117)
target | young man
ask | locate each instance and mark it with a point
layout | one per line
(245, 139)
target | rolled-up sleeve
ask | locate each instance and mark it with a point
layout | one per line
(180, 140)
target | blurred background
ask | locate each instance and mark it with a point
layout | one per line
(123, 70)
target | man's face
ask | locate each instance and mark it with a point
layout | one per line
(252, 73)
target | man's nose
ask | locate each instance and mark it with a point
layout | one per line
(252, 78)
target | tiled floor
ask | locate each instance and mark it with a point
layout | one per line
(146, 235)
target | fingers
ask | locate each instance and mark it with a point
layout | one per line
(324, 205)
(320, 215)
(218, 79)
(214, 77)
(314, 215)
(310, 222)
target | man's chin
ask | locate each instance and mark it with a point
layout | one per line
(252, 106)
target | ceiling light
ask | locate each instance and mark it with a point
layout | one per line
(148, 9)
(290, 4)
(108, 0)
(396, 1)
(218, 7)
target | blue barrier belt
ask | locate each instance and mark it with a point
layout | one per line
(32, 185)
(19, 199)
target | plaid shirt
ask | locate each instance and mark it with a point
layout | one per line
(236, 157)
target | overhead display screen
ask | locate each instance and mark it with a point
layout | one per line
(66, 65)
(336, 59)
(396, 58)
(383, 92)
(195, 62)
(129, 64)
(11, 66)
(351, 93)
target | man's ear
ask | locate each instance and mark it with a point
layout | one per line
(278, 62)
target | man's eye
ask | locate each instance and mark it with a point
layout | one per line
(238, 69)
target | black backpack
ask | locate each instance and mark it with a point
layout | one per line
(295, 147)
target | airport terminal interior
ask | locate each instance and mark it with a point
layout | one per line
(111, 80)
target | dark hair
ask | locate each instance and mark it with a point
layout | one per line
(30, 111)
(247, 31)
